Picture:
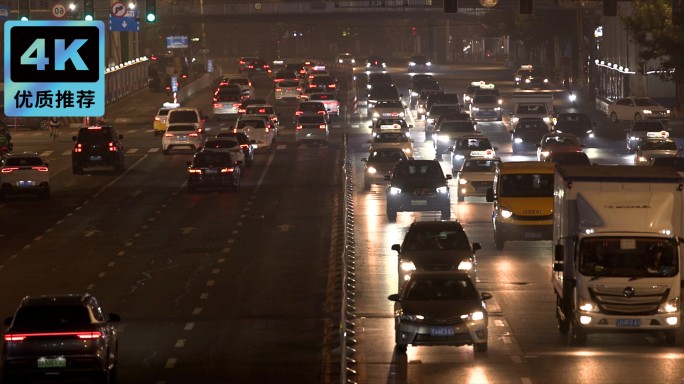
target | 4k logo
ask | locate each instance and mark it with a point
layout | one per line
(54, 68)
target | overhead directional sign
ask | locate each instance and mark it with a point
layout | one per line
(4, 12)
(123, 24)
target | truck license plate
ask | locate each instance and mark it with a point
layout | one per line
(418, 202)
(628, 322)
(57, 362)
(442, 331)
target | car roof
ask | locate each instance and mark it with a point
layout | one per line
(64, 299)
(436, 224)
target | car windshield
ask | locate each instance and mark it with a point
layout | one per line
(289, 84)
(655, 145)
(181, 128)
(51, 317)
(569, 158)
(89, 135)
(386, 156)
(561, 140)
(456, 126)
(473, 144)
(645, 102)
(526, 185)
(419, 170)
(163, 112)
(391, 137)
(628, 257)
(182, 117)
(311, 107)
(444, 109)
(251, 123)
(221, 144)
(648, 126)
(212, 159)
(388, 104)
(480, 165)
(227, 96)
(531, 126)
(574, 120)
(23, 161)
(440, 289)
(260, 111)
(532, 109)
(485, 99)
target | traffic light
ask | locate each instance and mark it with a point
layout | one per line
(525, 7)
(151, 11)
(678, 12)
(450, 6)
(609, 7)
(88, 10)
(23, 10)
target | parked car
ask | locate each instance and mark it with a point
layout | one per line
(637, 108)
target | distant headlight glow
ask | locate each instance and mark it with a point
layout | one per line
(505, 213)
(443, 190)
(395, 191)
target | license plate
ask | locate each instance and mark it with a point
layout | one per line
(25, 183)
(208, 171)
(95, 158)
(181, 138)
(628, 323)
(533, 235)
(442, 331)
(57, 362)
(418, 202)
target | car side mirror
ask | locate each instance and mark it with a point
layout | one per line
(511, 131)
(188, 163)
(495, 148)
(252, 141)
(114, 318)
(120, 137)
(476, 247)
(364, 159)
(486, 295)
(370, 126)
(396, 247)
(393, 297)
(410, 126)
(449, 177)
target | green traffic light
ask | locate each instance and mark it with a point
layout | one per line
(24, 18)
(151, 17)
(88, 17)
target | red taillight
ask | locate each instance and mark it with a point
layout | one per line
(299, 127)
(278, 90)
(9, 170)
(242, 61)
(194, 170)
(156, 118)
(321, 112)
(227, 170)
(78, 148)
(312, 85)
(302, 71)
(244, 146)
(267, 129)
(242, 110)
(395, 113)
(40, 168)
(80, 335)
(299, 89)
(167, 134)
(332, 85)
(298, 113)
(112, 147)
(250, 66)
(322, 126)
(193, 134)
(218, 105)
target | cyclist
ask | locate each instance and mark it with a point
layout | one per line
(53, 126)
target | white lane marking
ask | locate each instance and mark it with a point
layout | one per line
(225, 250)
(526, 380)
(180, 343)
(118, 177)
(46, 153)
(101, 274)
(89, 287)
(263, 173)
(121, 253)
(215, 271)
(235, 232)
(499, 323)
(197, 311)
(132, 150)
(153, 150)
(231, 240)
(281, 146)
(37, 238)
(66, 153)
(170, 363)
(111, 263)
(189, 326)
(506, 339)
(220, 260)
(204, 296)
(516, 359)
(210, 283)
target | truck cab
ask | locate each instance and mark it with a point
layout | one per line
(523, 202)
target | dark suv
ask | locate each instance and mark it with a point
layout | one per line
(209, 169)
(97, 146)
(418, 185)
(436, 246)
(64, 335)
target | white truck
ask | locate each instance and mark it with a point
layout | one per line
(529, 104)
(617, 254)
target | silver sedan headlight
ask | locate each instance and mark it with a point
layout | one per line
(395, 191)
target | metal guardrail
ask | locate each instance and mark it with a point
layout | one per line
(348, 371)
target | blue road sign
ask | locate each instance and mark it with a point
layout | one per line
(123, 24)
(4, 12)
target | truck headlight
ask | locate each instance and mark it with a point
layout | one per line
(407, 266)
(505, 213)
(517, 140)
(372, 170)
(462, 181)
(587, 305)
(465, 265)
(395, 191)
(443, 190)
(408, 151)
(669, 306)
(642, 159)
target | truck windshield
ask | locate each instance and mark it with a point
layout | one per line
(526, 185)
(628, 257)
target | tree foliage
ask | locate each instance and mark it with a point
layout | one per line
(650, 25)
(533, 30)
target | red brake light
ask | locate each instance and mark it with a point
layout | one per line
(112, 147)
(167, 134)
(227, 170)
(236, 105)
(242, 110)
(156, 118)
(194, 170)
(312, 85)
(80, 335)
(78, 148)
(89, 335)
(322, 126)
(278, 90)
(321, 112)
(332, 85)
(244, 146)
(9, 170)
(299, 89)
(194, 134)
(299, 127)
(298, 113)
(262, 110)
(218, 105)
(40, 168)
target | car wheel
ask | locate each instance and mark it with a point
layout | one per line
(391, 215)
(400, 348)
(499, 241)
(480, 347)
(563, 325)
(165, 151)
(613, 117)
(446, 214)
(578, 337)
(637, 116)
